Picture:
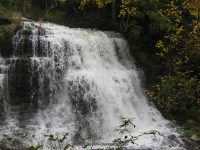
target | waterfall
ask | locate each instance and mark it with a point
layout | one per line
(77, 81)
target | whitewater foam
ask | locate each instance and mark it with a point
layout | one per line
(92, 82)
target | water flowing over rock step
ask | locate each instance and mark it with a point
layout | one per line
(22, 114)
(3, 69)
(22, 78)
(77, 81)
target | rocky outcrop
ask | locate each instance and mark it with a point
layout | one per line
(5, 21)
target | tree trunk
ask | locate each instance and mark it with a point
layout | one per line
(46, 6)
(114, 12)
(24, 7)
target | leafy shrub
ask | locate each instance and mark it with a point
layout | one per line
(55, 16)
(177, 96)
(2, 11)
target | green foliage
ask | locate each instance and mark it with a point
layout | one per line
(14, 141)
(144, 30)
(2, 10)
(35, 148)
(177, 92)
(55, 16)
(126, 136)
(61, 143)
(177, 96)
(192, 130)
(158, 23)
(1, 32)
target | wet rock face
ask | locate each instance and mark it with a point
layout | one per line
(20, 74)
(83, 102)
(19, 77)
(2, 105)
(85, 105)
(191, 144)
(23, 85)
(5, 21)
(6, 47)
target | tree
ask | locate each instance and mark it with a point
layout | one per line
(127, 8)
(177, 92)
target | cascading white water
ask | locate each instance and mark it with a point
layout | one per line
(91, 82)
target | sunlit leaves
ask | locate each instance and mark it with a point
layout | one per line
(127, 7)
(172, 38)
(178, 91)
(98, 3)
(176, 94)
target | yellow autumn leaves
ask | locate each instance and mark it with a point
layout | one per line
(127, 7)
(173, 13)
(98, 3)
